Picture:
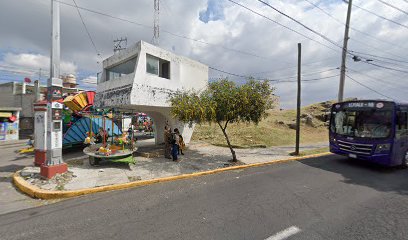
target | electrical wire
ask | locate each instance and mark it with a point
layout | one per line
(284, 26)
(301, 24)
(359, 31)
(385, 67)
(379, 16)
(376, 56)
(303, 74)
(270, 80)
(393, 84)
(393, 6)
(369, 88)
(163, 31)
(87, 31)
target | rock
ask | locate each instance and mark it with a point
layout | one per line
(26, 174)
(291, 125)
(309, 122)
(321, 117)
(305, 115)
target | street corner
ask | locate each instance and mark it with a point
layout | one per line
(82, 180)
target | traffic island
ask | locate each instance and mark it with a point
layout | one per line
(83, 179)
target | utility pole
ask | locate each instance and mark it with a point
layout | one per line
(51, 125)
(156, 28)
(344, 54)
(298, 99)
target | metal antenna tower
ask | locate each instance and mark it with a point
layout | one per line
(119, 44)
(156, 28)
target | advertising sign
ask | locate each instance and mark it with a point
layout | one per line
(54, 93)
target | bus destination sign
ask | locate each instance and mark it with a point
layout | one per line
(360, 105)
(366, 105)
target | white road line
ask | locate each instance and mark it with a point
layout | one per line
(285, 233)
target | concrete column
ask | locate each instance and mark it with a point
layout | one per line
(159, 122)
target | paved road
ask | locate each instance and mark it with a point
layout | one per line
(10, 161)
(323, 198)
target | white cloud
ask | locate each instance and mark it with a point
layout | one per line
(238, 29)
(90, 81)
(35, 61)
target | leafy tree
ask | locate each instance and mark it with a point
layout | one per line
(223, 102)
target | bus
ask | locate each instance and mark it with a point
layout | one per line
(370, 130)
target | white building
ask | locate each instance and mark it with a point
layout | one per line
(141, 79)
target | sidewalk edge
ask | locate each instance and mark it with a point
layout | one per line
(35, 192)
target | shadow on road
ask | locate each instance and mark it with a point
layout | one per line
(358, 172)
(11, 168)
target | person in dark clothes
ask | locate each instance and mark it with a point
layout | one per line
(175, 142)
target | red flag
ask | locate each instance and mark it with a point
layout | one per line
(27, 80)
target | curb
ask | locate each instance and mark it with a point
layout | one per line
(36, 192)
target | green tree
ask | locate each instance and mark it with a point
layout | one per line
(223, 102)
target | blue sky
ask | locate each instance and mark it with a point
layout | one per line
(214, 11)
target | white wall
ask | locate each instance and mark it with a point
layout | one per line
(148, 93)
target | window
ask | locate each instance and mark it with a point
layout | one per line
(369, 123)
(152, 65)
(122, 69)
(402, 120)
(157, 66)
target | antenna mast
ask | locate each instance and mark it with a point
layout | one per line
(156, 28)
(119, 44)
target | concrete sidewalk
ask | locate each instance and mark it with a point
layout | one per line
(198, 157)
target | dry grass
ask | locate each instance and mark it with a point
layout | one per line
(269, 132)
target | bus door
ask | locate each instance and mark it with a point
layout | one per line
(401, 137)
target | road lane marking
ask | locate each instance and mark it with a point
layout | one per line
(285, 233)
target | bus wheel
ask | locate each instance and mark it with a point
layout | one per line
(404, 163)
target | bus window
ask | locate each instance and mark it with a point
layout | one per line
(402, 120)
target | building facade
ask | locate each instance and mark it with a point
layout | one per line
(22, 96)
(143, 77)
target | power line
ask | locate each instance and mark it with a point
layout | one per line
(357, 30)
(270, 80)
(394, 7)
(385, 67)
(294, 66)
(301, 24)
(393, 84)
(86, 29)
(284, 26)
(163, 31)
(303, 74)
(376, 56)
(369, 88)
(267, 4)
(382, 17)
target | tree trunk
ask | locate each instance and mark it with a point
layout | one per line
(234, 157)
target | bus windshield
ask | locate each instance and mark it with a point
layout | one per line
(362, 123)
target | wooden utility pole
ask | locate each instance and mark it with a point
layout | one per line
(298, 99)
(344, 54)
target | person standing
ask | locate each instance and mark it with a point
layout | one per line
(181, 143)
(167, 142)
(175, 142)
